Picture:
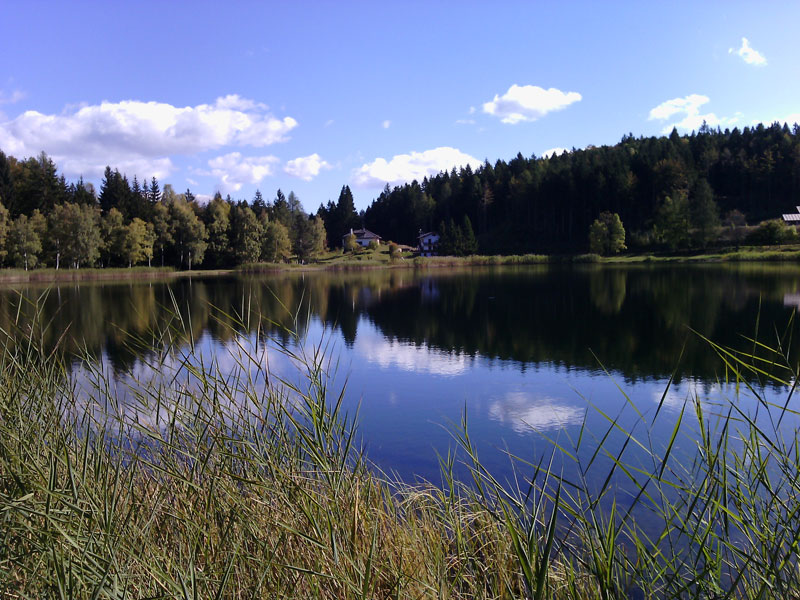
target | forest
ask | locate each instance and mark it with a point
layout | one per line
(672, 193)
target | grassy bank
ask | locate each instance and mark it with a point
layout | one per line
(379, 259)
(221, 480)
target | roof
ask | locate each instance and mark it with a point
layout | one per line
(793, 218)
(363, 233)
(422, 235)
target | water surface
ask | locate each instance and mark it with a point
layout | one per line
(529, 353)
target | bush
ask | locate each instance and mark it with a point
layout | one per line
(773, 232)
(373, 245)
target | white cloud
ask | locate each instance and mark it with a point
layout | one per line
(142, 133)
(749, 54)
(465, 122)
(690, 104)
(416, 165)
(386, 124)
(554, 152)
(528, 103)
(306, 167)
(234, 170)
(689, 108)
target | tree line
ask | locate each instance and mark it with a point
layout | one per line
(46, 221)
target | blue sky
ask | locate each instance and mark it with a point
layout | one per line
(311, 96)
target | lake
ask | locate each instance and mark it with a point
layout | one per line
(533, 355)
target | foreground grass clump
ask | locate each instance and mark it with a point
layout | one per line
(204, 483)
(222, 480)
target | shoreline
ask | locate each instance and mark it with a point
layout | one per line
(13, 276)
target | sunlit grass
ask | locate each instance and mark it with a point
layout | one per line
(212, 482)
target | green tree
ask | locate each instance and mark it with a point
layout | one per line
(607, 235)
(113, 232)
(25, 240)
(275, 245)
(114, 191)
(373, 245)
(37, 186)
(137, 244)
(217, 221)
(704, 213)
(310, 240)
(469, 245)
(188, 234)
(87, 244)
(162, 229)
(258, 205)
(318, 235)
(672, 221)
(74, 235)
(280, 211)
(394, 251)
(246, 235)
(340, 217)
(168, 194)
(155, 193)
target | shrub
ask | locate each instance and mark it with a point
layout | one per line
(773, 232)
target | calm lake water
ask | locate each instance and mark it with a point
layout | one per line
(530, 353)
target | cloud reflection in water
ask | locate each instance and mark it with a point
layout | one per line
(408, 357)
(524, 412)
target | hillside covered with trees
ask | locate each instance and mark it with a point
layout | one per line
(670, 192)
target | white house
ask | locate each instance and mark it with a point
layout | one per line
(363, 237)
(428, 243)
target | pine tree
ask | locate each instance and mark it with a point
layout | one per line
(259, 206)
(469, 243)
(155, 191)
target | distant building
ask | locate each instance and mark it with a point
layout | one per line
(793, 218)
(428, 243)
(363, 237)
